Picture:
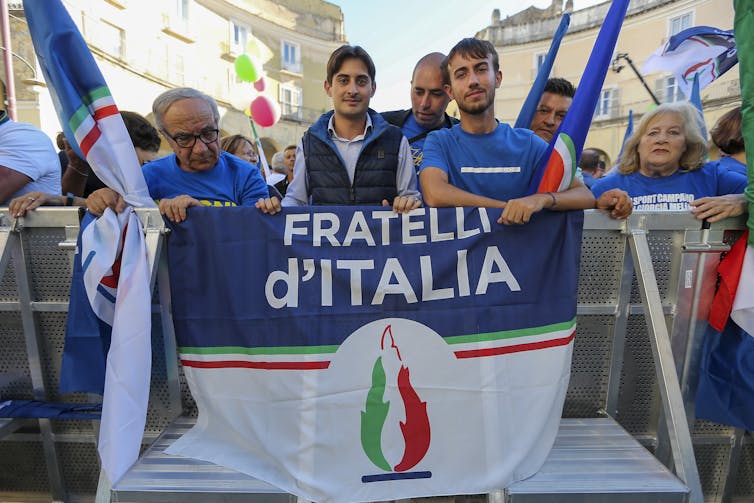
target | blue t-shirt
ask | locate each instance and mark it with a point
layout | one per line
(588, 179)
(499, 165)
(674, 192)
(731, 164)
(232, 182)
(411, 129)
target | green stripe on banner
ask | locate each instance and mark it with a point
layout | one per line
(510, 334)
(83, 111)
(279, 350)
(313, 350)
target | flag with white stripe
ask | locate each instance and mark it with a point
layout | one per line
(703, 50)
(113, 255)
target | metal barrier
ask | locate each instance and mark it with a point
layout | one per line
(642, 282)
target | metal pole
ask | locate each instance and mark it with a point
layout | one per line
(260, 150)
(673, 409)
(10, 84)
(641, 79)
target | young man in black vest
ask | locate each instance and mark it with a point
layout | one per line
(351, 155)
(428, 103)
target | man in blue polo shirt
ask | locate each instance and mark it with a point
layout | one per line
(481, 162)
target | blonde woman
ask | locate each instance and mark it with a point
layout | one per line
(663, 167)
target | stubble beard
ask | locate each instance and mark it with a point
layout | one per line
(477, 108)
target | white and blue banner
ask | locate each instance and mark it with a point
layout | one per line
(354, 354)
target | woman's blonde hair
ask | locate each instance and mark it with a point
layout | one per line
(696, 144)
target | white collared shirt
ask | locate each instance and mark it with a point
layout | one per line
(349, 150)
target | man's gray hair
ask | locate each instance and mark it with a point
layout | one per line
(165, 100)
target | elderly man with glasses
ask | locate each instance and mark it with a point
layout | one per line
(198, 172)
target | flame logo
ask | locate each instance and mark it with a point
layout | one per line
(415, 430)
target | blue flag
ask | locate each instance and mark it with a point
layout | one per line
(696, 99)
(35, 409)
(725, 393)
(529, 108)
(87, 338)
(626, 135)
(559, 162)
(111, 245)
(85, 107)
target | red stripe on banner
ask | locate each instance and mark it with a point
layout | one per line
(90, 139)
(235, 364)
(106, 111)
(518, 348)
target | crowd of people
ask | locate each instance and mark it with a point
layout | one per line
(404, 159)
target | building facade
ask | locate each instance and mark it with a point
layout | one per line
(144, 47)
(523, 39)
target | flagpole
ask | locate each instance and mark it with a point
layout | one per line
(617, 68)
(526, 115)
(260, 149)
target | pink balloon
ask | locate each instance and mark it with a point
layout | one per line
(260, 85)
(265, 111)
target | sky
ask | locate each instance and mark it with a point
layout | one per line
(396, 33)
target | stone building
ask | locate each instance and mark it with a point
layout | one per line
(144, 47)
(523, 39)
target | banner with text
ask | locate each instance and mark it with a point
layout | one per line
(353, 354)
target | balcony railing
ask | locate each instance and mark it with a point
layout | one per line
(300, 114)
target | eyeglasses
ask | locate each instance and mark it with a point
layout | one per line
(185, 140)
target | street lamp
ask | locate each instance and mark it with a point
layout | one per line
(617, 67)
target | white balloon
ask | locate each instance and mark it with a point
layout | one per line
(241, 96)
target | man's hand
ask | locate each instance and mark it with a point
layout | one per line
(519, 211)
(617, 202)
(403, 204)
(20, 205)
(720, 207)
(101, 199)
(269, 205)
(175, 208)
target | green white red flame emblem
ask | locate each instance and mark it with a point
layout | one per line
(415, 429)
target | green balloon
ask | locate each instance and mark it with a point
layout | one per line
(246, 69)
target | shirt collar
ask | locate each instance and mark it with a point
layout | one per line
(331, 129)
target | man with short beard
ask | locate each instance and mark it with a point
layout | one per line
(481, 162)
(428, 103)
